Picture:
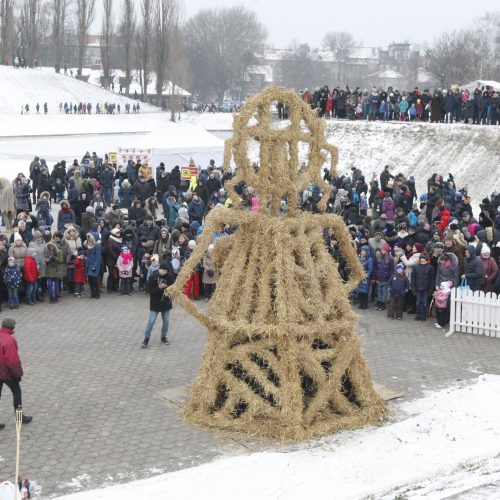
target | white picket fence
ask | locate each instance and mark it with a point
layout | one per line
(474, 312)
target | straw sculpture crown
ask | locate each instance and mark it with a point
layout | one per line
(282, 360)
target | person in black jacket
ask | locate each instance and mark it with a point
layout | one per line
(473, 269)
(158, 302)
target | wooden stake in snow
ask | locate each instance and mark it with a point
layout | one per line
(283, 359)
(19, 423)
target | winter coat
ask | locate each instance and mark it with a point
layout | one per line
(422, 277)
(111, 252)
(66, 216)
(473, 270)
(10, 363)
(410, 263)
(163, 248)
(150, 232)
(30, 270)
(383, 269)
(106, 178)
(55, 264)
(88, 220)
(364, 284)
(142, 190)
(125, 194)
(22, 194)
(399, 285)
(7, 203)
(19, 253)
(196, 210)
(157, 300)
(170, 209)
(12, 276)
(125, 270)
(175, 178)
(137, 214)
(389, 207)
(93, 262)
(79, 274)
(490, 271)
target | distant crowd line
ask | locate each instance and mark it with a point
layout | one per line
(482, 106)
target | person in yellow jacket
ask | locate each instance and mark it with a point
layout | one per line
(146, 171)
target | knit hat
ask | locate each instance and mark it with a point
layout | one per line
(165, 266)
(424, 256)
(9, 323)
(31, 252)
(37, 234)
(192, 244)
(11, 259)
(386, 247)
(485, 250)
(116, 232)
(400, 267)
(17, 237)
(448, 237)
(89, 210)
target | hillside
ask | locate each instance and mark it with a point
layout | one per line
(471, 153)
(29, 86)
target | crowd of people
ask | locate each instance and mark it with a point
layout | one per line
(73, 225)
(482, 106)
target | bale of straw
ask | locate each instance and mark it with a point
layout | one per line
(282, 360)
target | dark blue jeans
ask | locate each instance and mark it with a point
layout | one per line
(422, 298)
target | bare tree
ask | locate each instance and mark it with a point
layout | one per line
(460, 56)
(167, 23)
(106, 42)
(221, 44)
(127, 29)
(29, 23)
(60, 8)
(6, 29)
(85, 11)
(300, 69)
(489, 27)
(341, 44)
(178, 73)
(144, 46)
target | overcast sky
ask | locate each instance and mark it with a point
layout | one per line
(373, 22)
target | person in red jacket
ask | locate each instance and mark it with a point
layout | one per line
(79, 276)
(31, 275)
(444, 220)
(11, 369)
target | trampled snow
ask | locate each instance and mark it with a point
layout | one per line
(431, 451)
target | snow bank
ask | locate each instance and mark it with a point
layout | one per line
(441, 436)
(19, 87)
(471, 153)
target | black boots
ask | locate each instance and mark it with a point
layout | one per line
(145, 343)
(165, 341)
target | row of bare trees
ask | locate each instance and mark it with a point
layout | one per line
(469, 54)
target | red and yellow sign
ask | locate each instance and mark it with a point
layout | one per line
(188, 172)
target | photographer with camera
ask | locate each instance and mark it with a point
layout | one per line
(158, 302)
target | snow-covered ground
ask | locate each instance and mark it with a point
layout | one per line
(19, 87)
(441, 445)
